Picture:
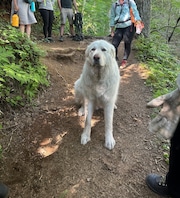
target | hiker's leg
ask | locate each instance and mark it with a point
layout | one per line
(63, 20)
(22, 28)
(62, 30)
(117, 38)
(70, 19)
(45, 17)
(173, 176)
(128, 37)
(28, 30)
(51, 18)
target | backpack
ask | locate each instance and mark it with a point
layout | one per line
(131, 13)
(78, 26)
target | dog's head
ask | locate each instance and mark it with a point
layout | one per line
(100, 53)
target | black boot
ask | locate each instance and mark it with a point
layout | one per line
(4, 191)
(157, 184)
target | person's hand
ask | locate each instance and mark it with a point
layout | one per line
(112, 34)
(167, 119)
(139, 26)
(16, 8)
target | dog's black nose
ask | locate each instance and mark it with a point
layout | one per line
(96, 58)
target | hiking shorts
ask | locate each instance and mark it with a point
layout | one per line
(66, 13)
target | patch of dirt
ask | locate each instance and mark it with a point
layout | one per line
(42, 155)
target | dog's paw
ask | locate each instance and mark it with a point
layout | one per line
(110, 143)
(85, 138)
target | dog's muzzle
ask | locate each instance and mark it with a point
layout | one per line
(96, 60)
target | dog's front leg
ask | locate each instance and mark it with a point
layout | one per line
(83, 110)
(108, 115)
(86, 135)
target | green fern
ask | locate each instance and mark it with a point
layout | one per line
(21, 73)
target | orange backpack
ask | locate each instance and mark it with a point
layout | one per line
(132, 15)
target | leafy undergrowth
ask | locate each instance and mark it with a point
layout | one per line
(22, 75)
(162, 65)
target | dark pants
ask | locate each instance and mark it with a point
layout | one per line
(127, 35)
(173, 176)
(48, 17)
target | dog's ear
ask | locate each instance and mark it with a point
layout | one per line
(113, 51)
(87, 50)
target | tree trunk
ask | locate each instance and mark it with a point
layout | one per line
(144, 7)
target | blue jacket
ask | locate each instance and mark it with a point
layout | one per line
(120, 14)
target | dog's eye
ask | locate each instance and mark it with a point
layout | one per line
(103, 49)
(93, 49)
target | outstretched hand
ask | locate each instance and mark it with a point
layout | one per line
(167, 119)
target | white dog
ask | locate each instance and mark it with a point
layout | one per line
(98, 85)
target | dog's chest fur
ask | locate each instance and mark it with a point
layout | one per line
(96, 73)
(96, 86)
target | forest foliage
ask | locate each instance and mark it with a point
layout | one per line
(160, 52)
(21, 73)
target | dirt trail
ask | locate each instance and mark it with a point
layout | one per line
(67, 169)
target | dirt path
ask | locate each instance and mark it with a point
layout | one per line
(65, 168)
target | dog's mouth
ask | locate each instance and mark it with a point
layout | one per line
(97, 65)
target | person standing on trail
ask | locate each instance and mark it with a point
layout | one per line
(47, 12)
(66, 12)
(168, 123)
(26, 16)
(122, 26)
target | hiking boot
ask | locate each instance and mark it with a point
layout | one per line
(50, 39)
(46, 40)
(123, 64)
(61, 39)
(157, 184)
(4, 191)
(73, 37)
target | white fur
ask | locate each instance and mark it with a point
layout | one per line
(98, 85)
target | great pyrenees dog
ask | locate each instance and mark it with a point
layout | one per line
(98, 86)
